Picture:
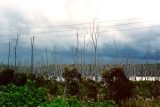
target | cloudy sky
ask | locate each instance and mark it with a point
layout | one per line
(127, 28)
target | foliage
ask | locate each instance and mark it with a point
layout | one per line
(147, 89)
(27, 89)
(20, 79)
(118, 85)
(156, 89)
(54, 87)
(139, 91)
(90, 89)
(31, 76)
(27, 95)
(75, 102)
(141, 102)
(6, 76)
(71, 75)
(72, 80)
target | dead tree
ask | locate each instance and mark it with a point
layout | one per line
(116, 51)
(9, 53)
(157, 65)
(32, 54)
(147, 62)
(83, 51)
(15, 50)
(75, 52)
(55, 60)
(47, 57)
(94, 34)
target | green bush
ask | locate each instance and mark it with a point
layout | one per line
(27, 95)
(62, 102)
(54, 87)
(75, 102)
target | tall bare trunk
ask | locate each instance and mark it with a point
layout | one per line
(94, 34)
(9, 53)
(32, 54)
(15, 50)
(117, 52)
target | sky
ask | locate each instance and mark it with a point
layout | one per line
(128, 29)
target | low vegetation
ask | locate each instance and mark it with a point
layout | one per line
(114, 90)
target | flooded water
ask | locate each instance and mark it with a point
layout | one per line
(133, 78)
(143, 78)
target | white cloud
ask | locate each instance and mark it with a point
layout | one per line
(59, 12)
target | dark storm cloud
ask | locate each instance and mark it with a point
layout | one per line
(124, 52)
(138, 46)
(136, 49)
(146, 35)
(107, 54)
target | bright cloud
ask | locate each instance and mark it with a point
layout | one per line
(38, 14)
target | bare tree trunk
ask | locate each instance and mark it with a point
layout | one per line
(117, 52)
(47, 57)
(94, 33)
(75, 53)
(47, 64)
(42, 64)
(83, 50)
(127, 67)
(157, 71)
(32, 54)
(9, 53)
(147, 62)
(15, 50)
(55, 61)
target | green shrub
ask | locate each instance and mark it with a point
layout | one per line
(27, 95)
(62, 102)
(75, 102)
